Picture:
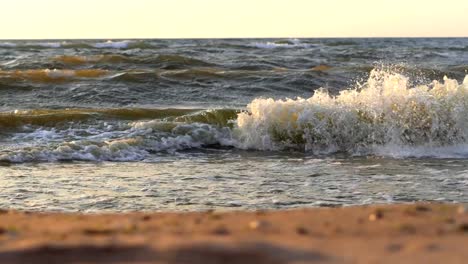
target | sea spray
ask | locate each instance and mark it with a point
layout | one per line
(385, 110)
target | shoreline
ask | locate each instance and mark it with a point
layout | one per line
(403, 233)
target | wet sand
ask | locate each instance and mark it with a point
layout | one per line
(416, 233)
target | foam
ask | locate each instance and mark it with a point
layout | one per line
(48, 44)
(384, 111)
(134, 144)
(112, 44)
(292, 43)
(459, 151)
(7, 45)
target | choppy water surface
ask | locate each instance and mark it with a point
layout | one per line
(94, 125)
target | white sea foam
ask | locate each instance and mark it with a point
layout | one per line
(60, 73)
(10, 63)
(386, 111)
(133, 144)
(31, 44)
(113, 44)
(47, 44)
(459, 151)
(7, 45)
(292, 43)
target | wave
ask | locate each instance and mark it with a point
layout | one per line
(32, 45)
(54, 117)
(42, 137)
(135, 143)
(7, 45)
(178, 59)
(383, 111)
(337, 43)
(207, 73)
(46, 75)
(77, 60)
(124, 44)
(58, 76)
(291, 43)
(386, 116)
(201, 73)
(173, 61)
(113, 44)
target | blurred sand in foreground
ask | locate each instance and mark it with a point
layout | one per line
(415, 233)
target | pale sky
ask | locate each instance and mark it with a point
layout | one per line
(60, 19)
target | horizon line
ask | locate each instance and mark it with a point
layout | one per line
(239, 38)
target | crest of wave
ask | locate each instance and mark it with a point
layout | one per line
(384, 111)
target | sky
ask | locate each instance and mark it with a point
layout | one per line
(105, 19)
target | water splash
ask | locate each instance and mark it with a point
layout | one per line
(386, 110)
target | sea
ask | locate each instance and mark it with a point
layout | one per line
(198, 124)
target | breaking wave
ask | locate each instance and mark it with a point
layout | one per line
(52, 118)
(133, 134)
(385, 116)
(119, 58)
(110, 44)
(46, 75)
(384, 111)
(138, 144)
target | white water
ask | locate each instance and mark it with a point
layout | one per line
(113, 44)
(386, 111)
(292, 43)
(110, 143)
(385, 117)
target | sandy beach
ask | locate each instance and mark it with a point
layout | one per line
(234, 132)
(416, 233)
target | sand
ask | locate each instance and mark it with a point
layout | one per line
(415, 233)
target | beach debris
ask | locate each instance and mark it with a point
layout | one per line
(422, 208)
(338, 230)
(215, 216)
(463, 227)
(10, 230)
(407, 228)
(394, 247)
(221, 230)
(378, 214)
(97, 231)
(462, 209)
(415, 210)
(432, 247)
(450, 220)
(302, 230)
(258, 224)
(146, 218)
